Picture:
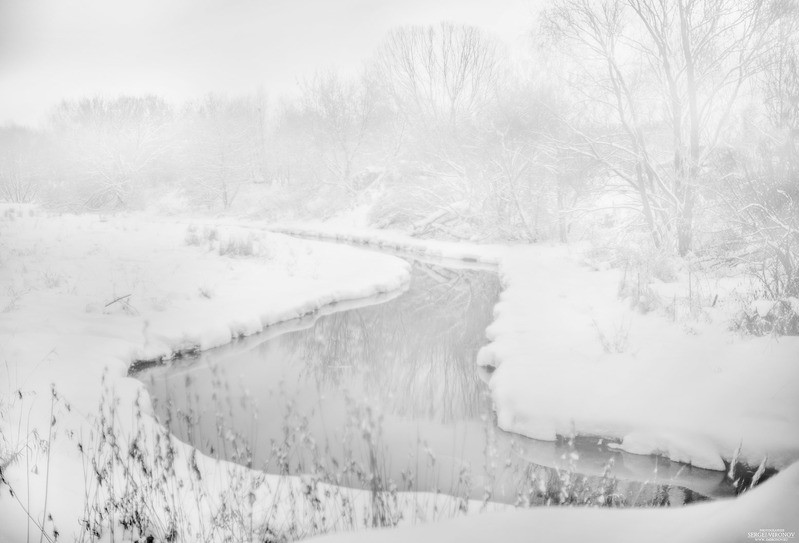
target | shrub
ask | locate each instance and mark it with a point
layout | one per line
(238, 246)
(192, 236)
(779, 318)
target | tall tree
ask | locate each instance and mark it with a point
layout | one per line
(224, 148)
(441, 81)
(111, 147)
(660, 64)
(22, 163)
(339, 113)
(439, 75)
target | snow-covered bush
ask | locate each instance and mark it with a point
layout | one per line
(21, 167)
(778, 317)
(642, 266)
(192, 236)
(195, 237)
(237, 245)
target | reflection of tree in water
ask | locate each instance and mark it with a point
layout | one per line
(416, 355)
(417, 352)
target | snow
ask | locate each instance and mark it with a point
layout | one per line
(396, 241)
(768, 510)
(82, 297)
(571, 358)
(763, 307)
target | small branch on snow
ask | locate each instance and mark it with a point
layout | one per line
(112, 302)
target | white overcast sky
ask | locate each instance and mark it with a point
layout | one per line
(56, 49)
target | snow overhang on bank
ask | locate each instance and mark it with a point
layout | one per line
(570, 358)
(767, 513)
(83, 297)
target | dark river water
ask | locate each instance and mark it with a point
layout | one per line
(390, 387)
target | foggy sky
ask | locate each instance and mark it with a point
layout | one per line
(56, 49)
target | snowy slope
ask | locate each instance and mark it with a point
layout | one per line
(693, 397)
(769, 511)
(83, 297)
(574, 359)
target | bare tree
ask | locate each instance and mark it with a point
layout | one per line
(441, 82)
(760, 176)
(677, 65)
(439, 74)
(110, 147)
(224, 148)
(21, 164)
(780, 78)
(339, 113)
(610, 83)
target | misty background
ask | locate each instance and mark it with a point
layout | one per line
(644, 126)
(51, 50)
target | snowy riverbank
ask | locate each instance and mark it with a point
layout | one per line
(396, 241)
(573, 358)
(82, 297)
(767, 513)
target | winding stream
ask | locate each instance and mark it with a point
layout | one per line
(390, 386)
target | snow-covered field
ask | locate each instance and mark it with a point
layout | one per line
(81, 297)
(573, 359)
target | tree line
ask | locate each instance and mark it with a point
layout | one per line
(675, 121)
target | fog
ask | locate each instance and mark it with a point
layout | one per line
(51, 50)
(176, 176)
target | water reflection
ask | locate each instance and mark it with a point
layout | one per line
(420, 364)
(392, 389)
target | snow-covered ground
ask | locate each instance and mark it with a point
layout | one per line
(767, 513)
(396, 241)
(572, 358)
(82, 297)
